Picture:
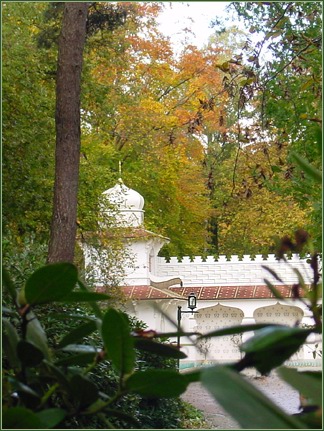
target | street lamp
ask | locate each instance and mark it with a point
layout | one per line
(192, 304)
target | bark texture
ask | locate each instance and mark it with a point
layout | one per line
(67, 119)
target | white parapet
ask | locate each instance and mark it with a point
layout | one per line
(234, 270)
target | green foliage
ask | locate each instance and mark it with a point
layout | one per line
(86, 373)
(28, 120)
(273, 81)
(96, 374)
(245, 403)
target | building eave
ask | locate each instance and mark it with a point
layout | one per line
(210, 293)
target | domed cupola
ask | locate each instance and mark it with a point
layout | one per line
(128, 202)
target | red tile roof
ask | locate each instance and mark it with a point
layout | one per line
(149, 292)
(206, 293)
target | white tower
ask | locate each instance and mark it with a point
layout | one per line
(128, 203)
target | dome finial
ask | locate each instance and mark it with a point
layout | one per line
(120, 169)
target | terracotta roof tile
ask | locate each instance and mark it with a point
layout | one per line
(149, 292)
(204, 293)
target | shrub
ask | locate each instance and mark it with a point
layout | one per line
(58, 382)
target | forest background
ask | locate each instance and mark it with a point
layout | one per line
(224, 143)
(207, 136)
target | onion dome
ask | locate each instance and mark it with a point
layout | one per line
(128, 203)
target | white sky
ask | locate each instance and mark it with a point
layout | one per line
(195, 15)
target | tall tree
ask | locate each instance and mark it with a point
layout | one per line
(67, 118)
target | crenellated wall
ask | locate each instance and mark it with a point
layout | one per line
(199, 271)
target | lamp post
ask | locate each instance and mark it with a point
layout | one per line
(192, 304)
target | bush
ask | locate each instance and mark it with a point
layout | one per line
(44, 363)
(108, 371)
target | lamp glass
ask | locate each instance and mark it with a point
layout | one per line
(192, 301)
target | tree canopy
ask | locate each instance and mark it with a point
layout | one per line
(205, 135)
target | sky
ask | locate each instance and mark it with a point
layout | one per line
(195, 15)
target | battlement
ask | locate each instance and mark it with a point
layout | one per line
(234, 270)
(269, 258)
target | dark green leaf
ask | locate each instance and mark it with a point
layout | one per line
(51, 283)
(273, 289)
(29, 396)
(119, 344)
(157, 383)
(175, 334)
(192, 376)
(271, 346)
(158, 348)
(309, 170)
(312, 420)
(9, 343)
(66, 316)
(83, 390)
(7, 282)
(307, 383)
(20, 418)
(58, 375)
(275, 168)
(85, 297)
(96, 309)
(272, 335)
(78, 333)
(301, 280)
(36, 334)
(248, 406)
(81, 359)
(273, 273)
(29, 354)
(51, 417)
(235, 330)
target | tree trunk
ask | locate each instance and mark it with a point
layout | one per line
(67, 120)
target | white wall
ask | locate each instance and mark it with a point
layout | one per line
(160, 314)
(233, 272)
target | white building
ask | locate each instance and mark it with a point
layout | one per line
(229, 292)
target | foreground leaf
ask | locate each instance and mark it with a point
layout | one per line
(248, 406)
(28, 396)
(271, 346)
(9, 343)
(118, 342)
(51, 417)
(308, 383)
(29, 354)
(36, 335)
(80, 360)
(157, 383)
(20, 418)
(78, 333)
(95, 307)
(85, 297)
(235, 330)
(158, 348)
(51, 283)
(83, 390)
(309, 170)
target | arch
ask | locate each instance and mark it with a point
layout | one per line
(223, 348)
(279, 314)
(282, 314)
